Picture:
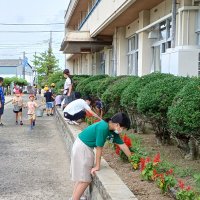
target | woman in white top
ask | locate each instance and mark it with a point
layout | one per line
(67, 92)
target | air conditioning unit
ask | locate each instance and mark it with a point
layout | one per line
(154, 34)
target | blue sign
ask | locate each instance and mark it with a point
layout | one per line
(25, 61)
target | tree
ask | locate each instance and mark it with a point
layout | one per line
(46, 64)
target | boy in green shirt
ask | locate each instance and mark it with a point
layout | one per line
(94, 136)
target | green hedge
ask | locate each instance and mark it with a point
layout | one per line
(154, 100)
(184, 113)
(81, 87)
(105, 83)
(130, 94)
(113, 93)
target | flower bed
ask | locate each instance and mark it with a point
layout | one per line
(149, 169)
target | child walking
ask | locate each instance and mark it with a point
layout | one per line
(18, 104)
(31, 105)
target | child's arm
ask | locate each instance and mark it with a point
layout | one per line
(125, 149)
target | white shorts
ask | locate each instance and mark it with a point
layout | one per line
(82, 161)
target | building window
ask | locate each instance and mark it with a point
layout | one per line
(161, 43)
(133, 55)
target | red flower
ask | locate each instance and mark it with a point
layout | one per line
(117, 150)
(188, 188)
(147, 159)
(142, 164)
(156, 158)
(181, 184)
(127, 141)
(169, 172)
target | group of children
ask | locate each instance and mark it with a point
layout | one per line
(18, 105)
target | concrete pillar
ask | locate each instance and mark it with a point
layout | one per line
(89, 64)
(120, 51)
(187, 22)
(107, 60)
(144, 45)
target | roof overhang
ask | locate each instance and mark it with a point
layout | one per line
(81, 42)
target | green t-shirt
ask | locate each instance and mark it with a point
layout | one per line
(96, 135)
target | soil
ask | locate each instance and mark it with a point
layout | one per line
(145, 190)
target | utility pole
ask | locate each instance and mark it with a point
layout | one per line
(35, 72)
(173, 23)
(24, 64)
(50, 42)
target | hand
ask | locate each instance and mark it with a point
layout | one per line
(93, 170)
(68, 94)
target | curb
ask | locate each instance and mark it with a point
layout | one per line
(106, 184)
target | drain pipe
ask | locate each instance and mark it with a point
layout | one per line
(173, 24)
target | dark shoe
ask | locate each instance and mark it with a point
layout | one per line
(47, 114)
(1, 124)
(51, 114)
(21, 123)
(16, 122)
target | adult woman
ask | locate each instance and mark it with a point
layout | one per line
(67, 92)
(94, 136)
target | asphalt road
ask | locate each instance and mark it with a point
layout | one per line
(34, 165)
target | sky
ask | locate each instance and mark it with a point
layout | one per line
(12, 44)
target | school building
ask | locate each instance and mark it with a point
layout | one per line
(134, 37)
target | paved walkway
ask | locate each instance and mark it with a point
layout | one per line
(34, 165)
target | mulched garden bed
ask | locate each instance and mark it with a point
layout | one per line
(146, 190)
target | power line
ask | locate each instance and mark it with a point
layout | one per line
(30, 31)
(8, 24)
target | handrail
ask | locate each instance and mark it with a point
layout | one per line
(89, 13)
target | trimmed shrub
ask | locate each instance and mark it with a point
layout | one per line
(184, 115)
(77, 78)
(92, 87)
(130, 95)
(81, 87)
(105, 84)
(154, 100)
(111, 97)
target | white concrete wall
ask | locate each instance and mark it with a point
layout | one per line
(182, 62)
(132, 28)
(160, 10)
(105, 12)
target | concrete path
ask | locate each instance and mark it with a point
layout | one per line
(34, 165)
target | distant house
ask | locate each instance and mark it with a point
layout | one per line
(14, 67)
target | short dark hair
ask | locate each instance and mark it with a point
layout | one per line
(122, 119)
(1, 79)
(88, 98)
(66, 71)
(77, 95)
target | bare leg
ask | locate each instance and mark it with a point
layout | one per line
(20, 116)
(80, 189)
(16, 118)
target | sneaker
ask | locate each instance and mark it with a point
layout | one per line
(83, 198)
(76, 123)
(21, 123)
(51, 114)
(16, 122)
(66, 119)
(70, 122)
